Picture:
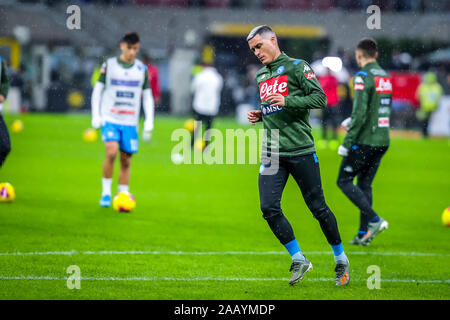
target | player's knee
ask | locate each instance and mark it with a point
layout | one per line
(317, 205)
(5, 151)
(111, 155)
(343, 183)
(319, 209)
(269, 210)
(125, 162)
(322, 214)
(364, 185)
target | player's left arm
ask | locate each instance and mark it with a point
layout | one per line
(313, 97)
(4, 83)
(149, 107)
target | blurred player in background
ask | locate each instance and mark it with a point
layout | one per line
(330, 114)
(5, 143)
(289, 90)
(153, 77)
(116, 101)
(367, 139)
(429, 94)
(206, 87)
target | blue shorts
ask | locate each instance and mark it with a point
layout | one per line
(126, 136)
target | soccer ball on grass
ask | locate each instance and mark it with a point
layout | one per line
(90, 135)
(189, 125)
(124, 202)
(7, 192)
(446, 217)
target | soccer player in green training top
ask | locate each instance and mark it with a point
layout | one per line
(289, 89)
(5, 143)
(367, 139)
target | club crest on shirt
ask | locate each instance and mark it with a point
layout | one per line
(280, 69)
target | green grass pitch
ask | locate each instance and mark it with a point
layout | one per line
(197, 231)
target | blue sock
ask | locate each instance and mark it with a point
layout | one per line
(339, 254)
(294, 250)
(375, 219)
(361, 234)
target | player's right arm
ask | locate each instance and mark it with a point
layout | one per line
(254, 116)
(359, 112)
(97, 97)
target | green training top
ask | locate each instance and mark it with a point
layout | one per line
(372, 104)
(294, 79)
(4, 82)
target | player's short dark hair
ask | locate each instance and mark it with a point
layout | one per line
(368, 46)
(130, 38)
(259, 30)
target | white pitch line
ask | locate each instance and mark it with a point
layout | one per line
(209, 279)
(221, 253)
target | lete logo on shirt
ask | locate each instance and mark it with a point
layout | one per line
(274, 85)
(383, 85)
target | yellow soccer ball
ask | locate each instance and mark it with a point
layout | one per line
(446, 217)
(7, 192)
(124, 202)
(199, 144)
(17, 126)
(90, 135)
(189, 125)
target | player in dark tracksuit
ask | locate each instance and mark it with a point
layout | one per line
(367, 139)
(5, 144)
(289, 90)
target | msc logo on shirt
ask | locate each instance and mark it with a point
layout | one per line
(268, 109)
(273, 85)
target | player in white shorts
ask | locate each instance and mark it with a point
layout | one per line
(116, 102)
